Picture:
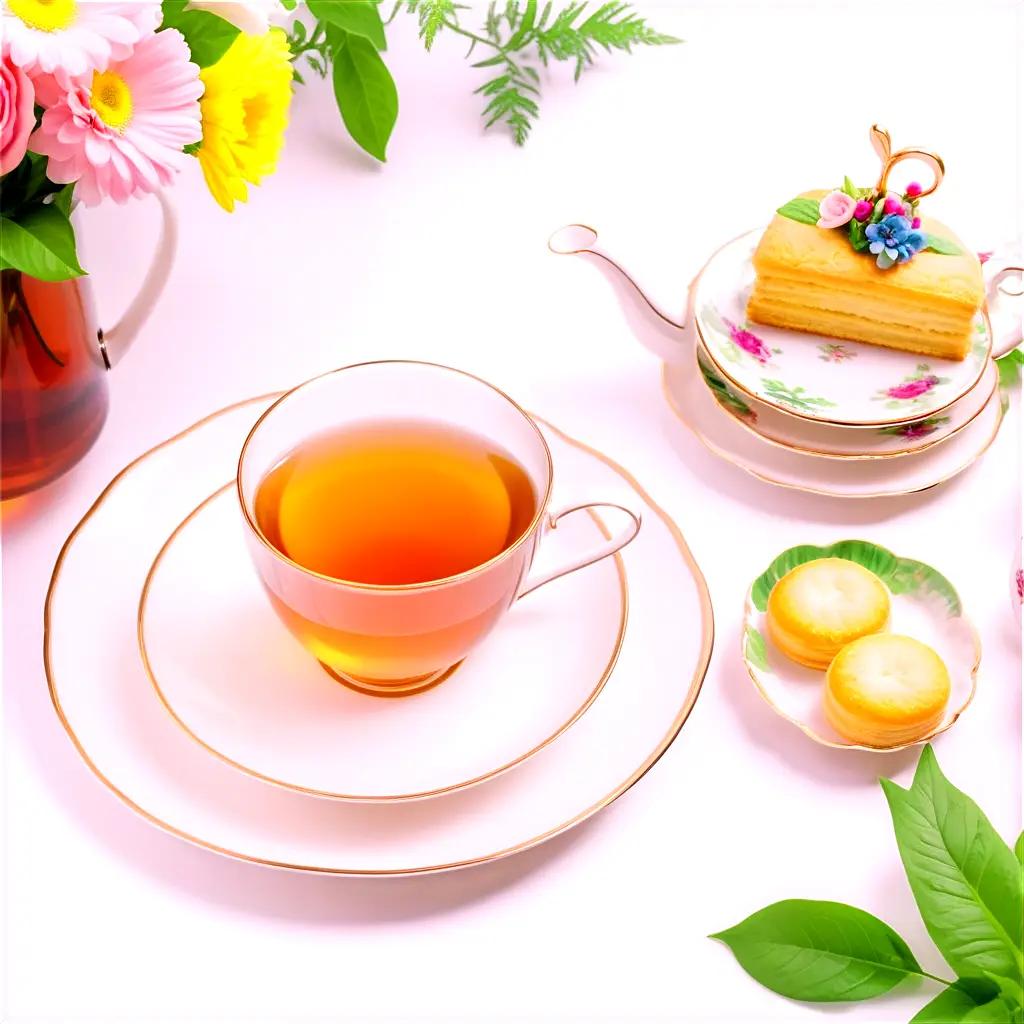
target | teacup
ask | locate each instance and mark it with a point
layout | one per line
(400, 638)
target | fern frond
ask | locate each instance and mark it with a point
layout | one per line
(432, 15)
(509, 102)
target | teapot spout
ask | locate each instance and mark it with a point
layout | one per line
(665, 336)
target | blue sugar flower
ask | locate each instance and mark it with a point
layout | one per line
(893, 240)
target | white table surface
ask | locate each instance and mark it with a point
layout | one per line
(441, 255)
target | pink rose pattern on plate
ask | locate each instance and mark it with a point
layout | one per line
(911, 390)
(834, 353)
(748, 342)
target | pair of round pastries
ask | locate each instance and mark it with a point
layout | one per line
(881, 689)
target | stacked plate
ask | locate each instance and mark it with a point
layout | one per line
(822, 414)
(189, 699)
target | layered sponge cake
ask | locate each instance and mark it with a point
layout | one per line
(809, 279)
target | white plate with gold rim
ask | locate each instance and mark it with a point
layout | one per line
(693, 403)
(239, 682)
(843, 442)
(924, 605)
(115, 719)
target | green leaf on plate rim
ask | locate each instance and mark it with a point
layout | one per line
(900, 575)
(756, 649)
(965, 878)
(803, 210)
(820, 951)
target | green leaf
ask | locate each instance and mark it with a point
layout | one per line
(62, 199)
(1018, 847)
(756, 650)
(41, 243)
(432, 15)
(359, 17)
(943, 246)
(968, 999)
(858, 239)
(965, 879)
(289, 5)
(1010, 989)
(849, 188)
(207, 34)
(820, 951)
(900, 575)
(1009, 367)
(366, 94)
(803, 210)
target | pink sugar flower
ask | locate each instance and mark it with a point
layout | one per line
(835, 209)
(862, 210)
(17, 118)
(121, 133)
(67, 39)
(915, 223)
(893, 205)
(914, 189)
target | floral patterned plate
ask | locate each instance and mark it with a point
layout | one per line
(840, 442)
(925, 605)
(810, 376)
(693, 403)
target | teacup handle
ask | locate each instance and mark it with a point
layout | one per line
(612, 545)
(999, 294)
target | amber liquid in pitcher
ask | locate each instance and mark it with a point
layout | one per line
(54, 391)
(393, 503)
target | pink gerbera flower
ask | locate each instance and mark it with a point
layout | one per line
(67, 38)
(121, 133)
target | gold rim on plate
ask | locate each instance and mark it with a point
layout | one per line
(835, 745)
(357, 797)
(681, 416)
(690, 698)
(792, 412)
(788, 446)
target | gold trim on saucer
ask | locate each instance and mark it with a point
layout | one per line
(793, 412)
(357, 797)
(681, 416)
(809, 732)
(859, 457)
(692, 691)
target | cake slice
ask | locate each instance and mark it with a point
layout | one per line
(810, 279)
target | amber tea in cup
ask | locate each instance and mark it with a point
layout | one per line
(393, 510)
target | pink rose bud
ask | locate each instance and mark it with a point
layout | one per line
(915, 223)
(862, 210)
(836, 209)
(914, 189)
(893, 206)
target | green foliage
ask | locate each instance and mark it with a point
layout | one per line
(803, 210)
(820, 951)
(1009, 367)
(364, 90)
(359, 17)
(756, 649)
(520, 35)
(40, 243)
(208, 35)
(943, 246)
(969, 887)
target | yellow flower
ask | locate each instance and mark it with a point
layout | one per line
(245, 113)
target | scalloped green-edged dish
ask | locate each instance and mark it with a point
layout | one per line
(925, 605)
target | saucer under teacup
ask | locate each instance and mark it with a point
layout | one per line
(814, 377)
(240, 683)
(924, 605)
(693, 403)
(837, 442)
(113, 716)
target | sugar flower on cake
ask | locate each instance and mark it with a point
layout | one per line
(120, 132)
(67, 38)
(17, 115)
(245, 113)
(893, 240)
(836, 209)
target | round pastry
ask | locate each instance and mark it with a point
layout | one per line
(886, 689)
(817, 608)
